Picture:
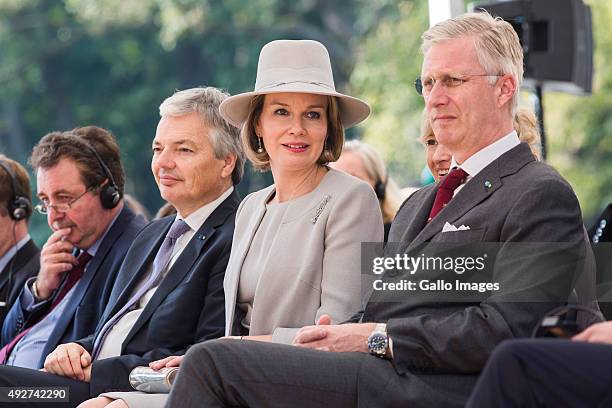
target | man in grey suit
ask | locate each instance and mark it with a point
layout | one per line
(421, 351)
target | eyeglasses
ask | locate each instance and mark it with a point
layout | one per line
(43, 208)
(448, 81)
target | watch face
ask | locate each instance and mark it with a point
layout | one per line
(377, 343)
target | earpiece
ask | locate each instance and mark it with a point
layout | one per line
(19, 207)
(110, 194)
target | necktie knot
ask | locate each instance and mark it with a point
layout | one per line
(83, 258)
(447, 187)
(178, 228)
(453, 179)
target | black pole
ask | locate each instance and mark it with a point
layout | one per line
(540, 115)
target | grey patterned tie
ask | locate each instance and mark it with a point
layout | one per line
(178, 228)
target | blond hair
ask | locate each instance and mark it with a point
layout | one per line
(377, 170)
(426, 129)
(526, 125)
(223, 136)
(261, 161)
(496, 44)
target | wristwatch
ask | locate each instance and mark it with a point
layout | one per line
(378, 341)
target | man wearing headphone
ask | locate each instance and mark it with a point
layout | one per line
(80, 187)
(19, 255)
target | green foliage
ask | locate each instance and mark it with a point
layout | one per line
(387, 64)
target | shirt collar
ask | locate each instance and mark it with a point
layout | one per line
(485, 156)
(12, 251)
(197, 218)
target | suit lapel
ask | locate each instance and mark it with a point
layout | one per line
(421, 214)
(127, 280)
(185, 262)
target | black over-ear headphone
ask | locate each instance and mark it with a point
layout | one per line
(381, 187)
(19, 207)
(110, 194)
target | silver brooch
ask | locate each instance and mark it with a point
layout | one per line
(320, 208)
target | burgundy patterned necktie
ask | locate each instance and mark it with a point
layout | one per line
(454, 179)
(74, 276)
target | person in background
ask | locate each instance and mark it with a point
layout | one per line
(363, 161)
(136, 206)
(528, 130)
(164, 211)
(549, 372)
(437, 156)
(19, 255)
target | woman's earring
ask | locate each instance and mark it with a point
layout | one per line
(260, 148)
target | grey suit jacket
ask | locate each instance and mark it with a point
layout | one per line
(314, 264)
(514, 199)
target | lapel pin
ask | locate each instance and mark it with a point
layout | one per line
(488, 184)
(202, 237)
(320, 209)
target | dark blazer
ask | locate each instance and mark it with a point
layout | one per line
(188, 306)
(91, 294)
(514, 199)
(600, 234)
(26, 263)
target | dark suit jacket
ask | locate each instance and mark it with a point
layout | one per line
(514, 199)
(26, 263)
(91, 294)
(600, 234)
(188, 306)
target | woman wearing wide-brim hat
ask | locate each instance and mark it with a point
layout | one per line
(295, 255)
(296, 250)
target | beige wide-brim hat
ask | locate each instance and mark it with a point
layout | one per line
(294, 66)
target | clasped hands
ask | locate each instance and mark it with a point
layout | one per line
(335, 338)
(69, 360)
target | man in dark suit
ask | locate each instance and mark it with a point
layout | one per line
(549, 372)
(600, 234)
(420, 351)
(19, 255)
(80, 185)
(169, 292)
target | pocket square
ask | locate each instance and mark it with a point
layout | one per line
(448, 227)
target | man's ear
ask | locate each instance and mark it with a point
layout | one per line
(228, 167)
(507, 87)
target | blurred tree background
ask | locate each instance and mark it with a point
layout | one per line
(69, 63)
